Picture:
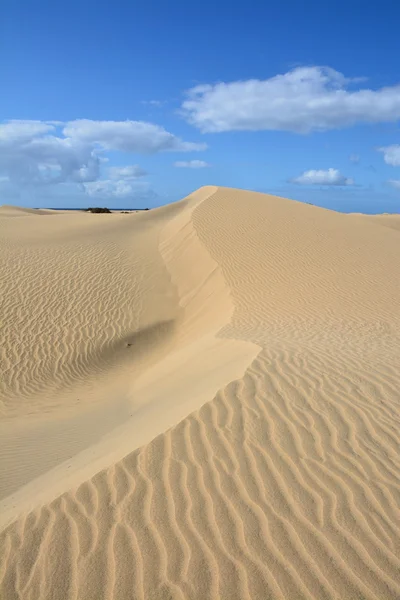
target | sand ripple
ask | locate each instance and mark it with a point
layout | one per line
(280, 484)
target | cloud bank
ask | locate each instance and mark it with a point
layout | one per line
(138, 137)
(302, 100)
(34, 154)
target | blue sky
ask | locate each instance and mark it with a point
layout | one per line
(134, 104)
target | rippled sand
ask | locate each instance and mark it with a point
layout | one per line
(200, 402)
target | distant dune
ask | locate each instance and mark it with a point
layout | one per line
(387, 220)
(200, 402)
(8, 210)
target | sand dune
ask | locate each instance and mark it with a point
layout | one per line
(8, 210)
(392, 221)
(200, 402)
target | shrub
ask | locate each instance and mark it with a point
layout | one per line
(97, 209)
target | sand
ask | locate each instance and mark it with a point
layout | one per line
(200, 402)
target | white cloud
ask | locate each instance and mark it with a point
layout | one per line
(395, 183)
(36, 153)
(108, 187)
(117, 188)
(321, 177)
(302, 100)
(123, 183)
(354, 158)
(191, 164)
(129, 172)
(128, 136)
(391, 154)
(29, 157)
(19, 131)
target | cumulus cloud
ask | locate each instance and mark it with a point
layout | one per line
(128, 136)
(191, 164)
(28, 156)
(123, 182)
(129, 172)
(302, 100)
(18, 131)
(391, 154)
(118, 188)
(321, 177)
(38, 153)
(395, 183)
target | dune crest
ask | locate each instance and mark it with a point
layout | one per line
(8, 210)
(112, 379)
(236, 357)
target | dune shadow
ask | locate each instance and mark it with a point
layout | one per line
(147, 342)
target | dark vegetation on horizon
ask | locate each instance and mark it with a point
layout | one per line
(98, 209)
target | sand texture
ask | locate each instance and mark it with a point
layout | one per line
(200, 402)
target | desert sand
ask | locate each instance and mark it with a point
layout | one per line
(200, 402)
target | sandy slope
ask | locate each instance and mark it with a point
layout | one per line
(387, 220)
(8, 210)
(275, 326)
